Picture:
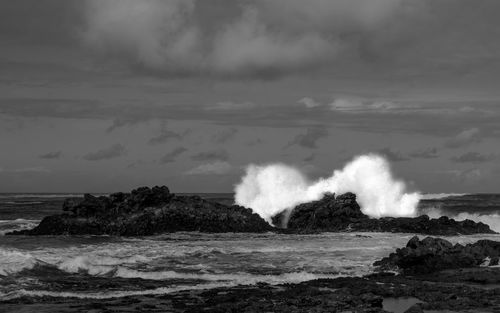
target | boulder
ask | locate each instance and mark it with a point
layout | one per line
(435, 254)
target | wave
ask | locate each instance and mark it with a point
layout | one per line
(215, 281)
(271, 189)
(23, 202)
(109, 294)
(429, 196)
(7, 226)
(13, 261)
(34, 195)
(99, 265)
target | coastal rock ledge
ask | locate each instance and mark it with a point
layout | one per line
(435, 254)
(343, 213)
(149, 211)
(146, 211)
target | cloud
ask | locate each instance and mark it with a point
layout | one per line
(224, 135)
(215, 155)
(51, 155)
(466, 176)
(309, 103)
(35, 169)
(172, 155)
(474, 157)
(230, 105)
(427, 153)
(163, 137)
(111, 152)
(309, 158)
(464, 138)
(214, 168)
(310, 138)
(358, 105)
(125, 121)
(393, 156)
(256, 39)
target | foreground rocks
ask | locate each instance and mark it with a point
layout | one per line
(347, 294)
(342, 213)
(456, 290)
(147, 211)
(435, 254)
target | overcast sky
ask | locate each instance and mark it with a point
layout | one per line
(107, 95)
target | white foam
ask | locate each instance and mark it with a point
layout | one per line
(13, 261)
(97, 265)
(106, 295)
(223, 280)
(274, 188)
(428, 196)
(237, 278)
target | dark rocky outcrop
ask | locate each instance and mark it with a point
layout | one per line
(147, 211)
(435, 254)
(343, 213)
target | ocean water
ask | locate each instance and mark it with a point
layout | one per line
(106, 267)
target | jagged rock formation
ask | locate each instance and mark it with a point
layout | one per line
(435, 254)
(343, 213)
(147, 211)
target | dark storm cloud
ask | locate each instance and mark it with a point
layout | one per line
(427, 153)
(391, 155)
(310, 138)
(51, 155)
(268, 38)
(474, 157)
(274, 37)
(209, 156)
(111, 152)
(172, 155)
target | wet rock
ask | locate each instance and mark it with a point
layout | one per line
(416, 308)
(435, 254)
(343, 213)
(147, 211)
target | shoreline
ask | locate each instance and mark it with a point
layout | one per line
(470, 289)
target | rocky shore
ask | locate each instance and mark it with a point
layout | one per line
(428, 289)
(148, 211)
(342, 213)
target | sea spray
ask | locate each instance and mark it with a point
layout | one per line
(274, 188)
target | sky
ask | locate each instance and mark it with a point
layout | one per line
(108, 95)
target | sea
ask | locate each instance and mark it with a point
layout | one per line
(101, 267)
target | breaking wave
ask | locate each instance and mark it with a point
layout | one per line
(15, 261)
(271, 189)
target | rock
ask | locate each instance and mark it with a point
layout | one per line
(416, 308)
(147, 211)
(328, 214)
(343, 213)
(435, 254)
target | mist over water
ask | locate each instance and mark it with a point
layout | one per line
(274, 188)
